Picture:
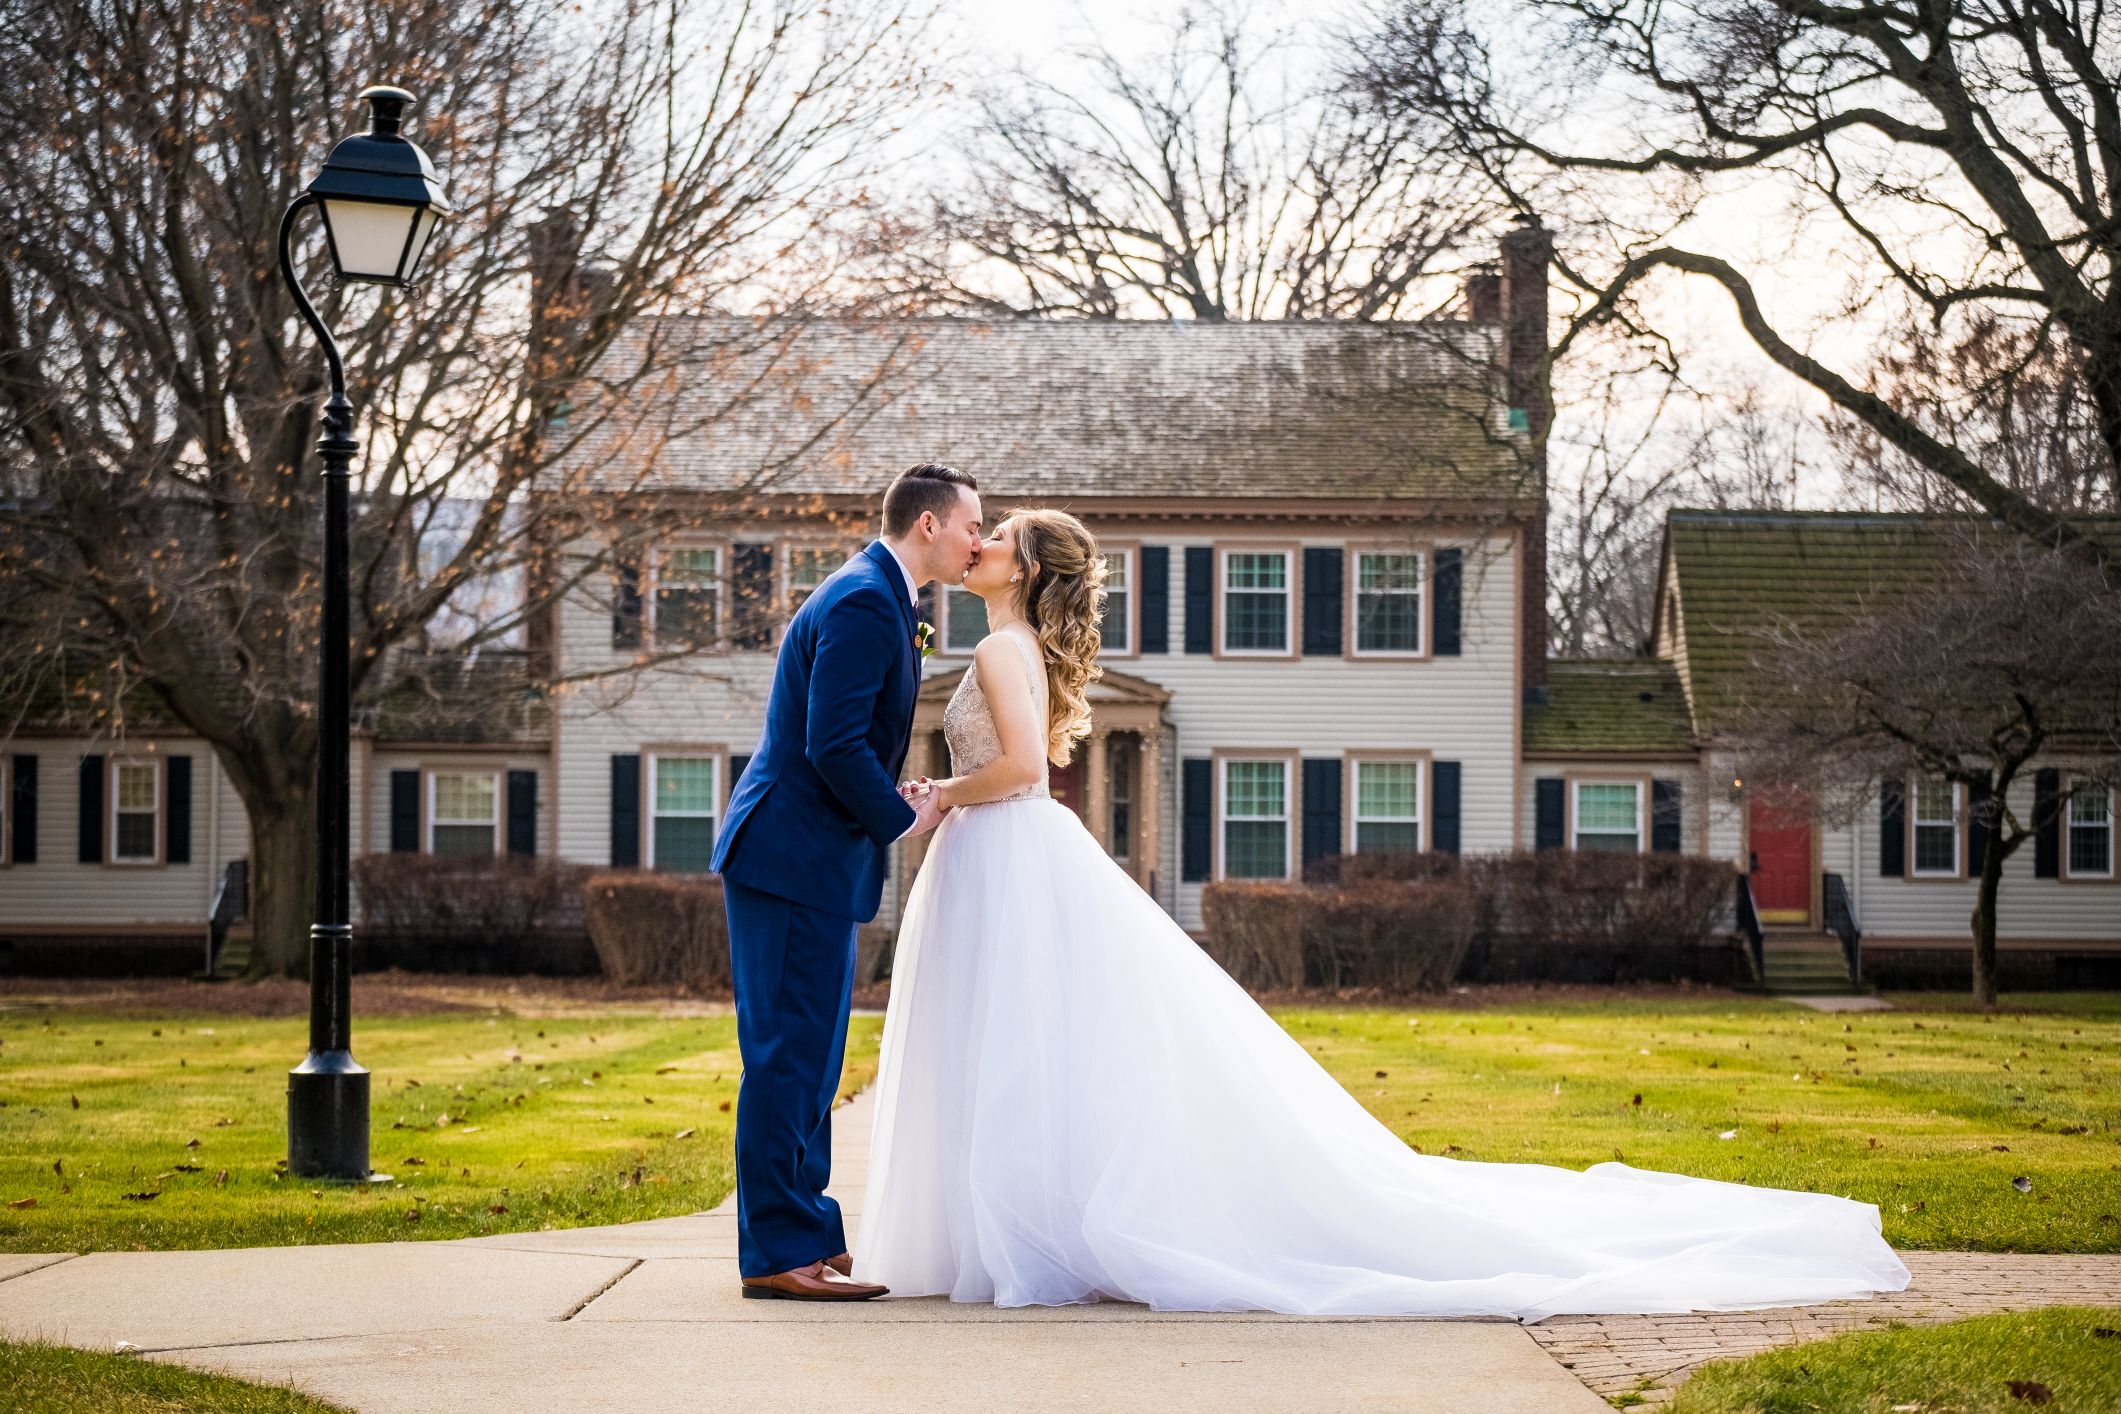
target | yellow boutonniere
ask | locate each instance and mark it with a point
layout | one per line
(924, 638)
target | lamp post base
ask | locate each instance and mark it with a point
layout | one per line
(327, 1117)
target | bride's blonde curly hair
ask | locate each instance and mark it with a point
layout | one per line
(1063, 599)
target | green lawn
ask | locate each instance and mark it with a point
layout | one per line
(127, 1133)
(52, 1379)
(2065, 1358)
(1930, 1114)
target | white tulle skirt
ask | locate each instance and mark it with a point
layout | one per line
(1075, 1103)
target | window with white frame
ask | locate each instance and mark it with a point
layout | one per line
(1115, 632)
(136, 811)
(688, 594)
(683, 799)
(463, 812)
(1387, 602)
(1609, 816)
(1255, 799)
(964, 619)
(808, 567)
(1256, 601)
(1936, 825)
(1387, 806)
(2091, 831)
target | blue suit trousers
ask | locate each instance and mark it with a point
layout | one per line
(793, 969)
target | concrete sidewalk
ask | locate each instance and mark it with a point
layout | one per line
(646, 1316)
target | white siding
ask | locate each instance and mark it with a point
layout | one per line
(61, 893)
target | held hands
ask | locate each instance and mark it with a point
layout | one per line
(927, 805)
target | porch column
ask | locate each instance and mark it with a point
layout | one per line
(1097, 790)
(1149, 797)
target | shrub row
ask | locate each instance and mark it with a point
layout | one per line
(439, 913)
(1422, 921)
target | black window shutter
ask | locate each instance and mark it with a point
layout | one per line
(1156, 599)
(1321, 807)
(1892, 829)
(404, 812)
(625, 812)
(1547, 824)
(1450, 578)
(1322, 601)
(1980, 808)
(1666, 811)
(736, 772)
(1197, 807)
(1200, 600)
(176, 819)
(751, 590)
(1443, 806)
(90, 813)
(523, 812)
(2047, 823)
(22, 809)
(626, 605)
(930, 609)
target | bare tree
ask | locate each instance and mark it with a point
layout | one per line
(1203, 180)
(1969, 150)
(1978, 653)
(610, 165)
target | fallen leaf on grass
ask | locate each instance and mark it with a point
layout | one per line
(139, 1197)
(683, 1134)
(58, 1167)
(498, 1209)
(190, 1168)
(2032, 1392)
(1728, 1134)
(221, 1179)
(20, 1203)
(2022, 1184)
(76, 1099)
(469, 1129)
(1638, 1098)
(412, 1161)
(2105, 1332)
(725, 1107)
(191, 1143)
(665, 1069)
(126, 1347)
(412, 1215)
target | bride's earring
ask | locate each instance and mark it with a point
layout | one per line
(1015, 577)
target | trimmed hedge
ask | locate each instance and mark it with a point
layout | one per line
(1422, 921)
(666, 929)
(436, 913)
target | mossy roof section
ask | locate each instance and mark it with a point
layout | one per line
(1743, 574)
(1610, 706)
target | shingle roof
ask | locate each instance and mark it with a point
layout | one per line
(1082, 408)
(1743, 574)
(1610, 706)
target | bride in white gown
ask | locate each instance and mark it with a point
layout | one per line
(1075, 1103)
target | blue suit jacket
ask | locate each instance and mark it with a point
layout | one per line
(815, 811)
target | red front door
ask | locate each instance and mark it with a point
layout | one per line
(1779, 837)
(1066, 783)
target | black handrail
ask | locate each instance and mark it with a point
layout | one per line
(1749, 928)
(231, 906)
(1841, 922)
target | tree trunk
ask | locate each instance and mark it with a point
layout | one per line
(1984, 922)
(283, 884)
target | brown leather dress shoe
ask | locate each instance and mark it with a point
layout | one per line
(843, 1264)
(816, 1282)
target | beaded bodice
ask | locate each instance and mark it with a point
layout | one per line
(968, 723)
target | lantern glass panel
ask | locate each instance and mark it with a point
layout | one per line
(368, 237)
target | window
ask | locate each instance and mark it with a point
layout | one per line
(1387, 602)
(2091, 831)
(463, 813)
(807, 569)
(1121, 843)
(136, 810)
(1255, 819)
(688, 595)
(1387, 806)
(1256, 601)
(1609, 816)
(1119, 599)
(1936, 820)
(964, 620)
(681, 835)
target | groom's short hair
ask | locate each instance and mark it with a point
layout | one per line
(918, 490)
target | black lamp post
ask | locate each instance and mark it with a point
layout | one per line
(381, 202)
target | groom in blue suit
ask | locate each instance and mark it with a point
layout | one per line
(802, 856)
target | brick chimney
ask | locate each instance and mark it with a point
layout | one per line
(1527, 254)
